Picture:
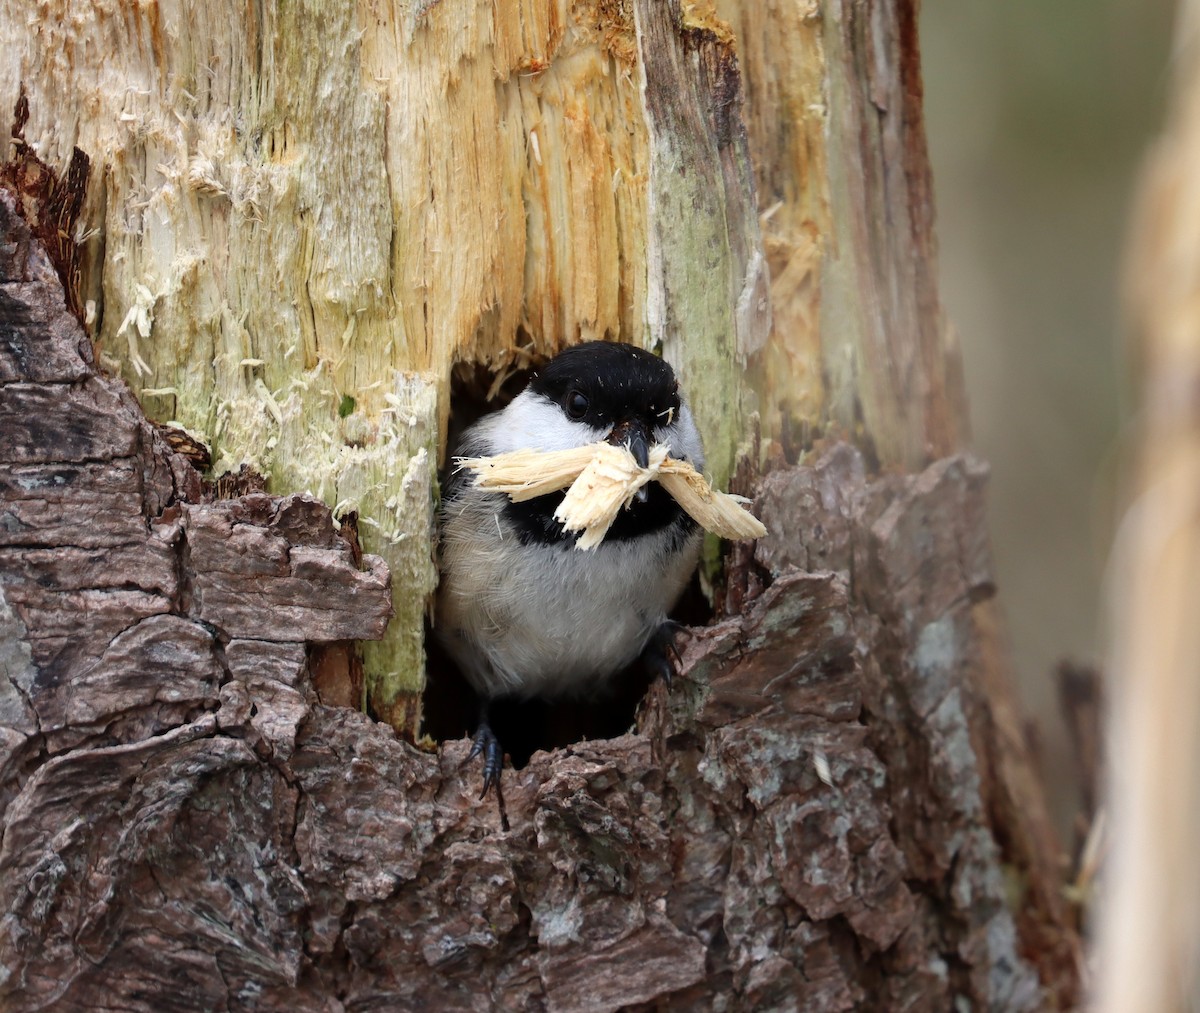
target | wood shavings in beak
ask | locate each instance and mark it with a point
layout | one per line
(603, 480)
(527, 474)
(607, 485)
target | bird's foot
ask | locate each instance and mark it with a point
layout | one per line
(660, 655)
(486, 744)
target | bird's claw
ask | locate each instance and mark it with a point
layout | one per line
(660, 651)
(486, 744)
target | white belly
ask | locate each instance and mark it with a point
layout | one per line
(551, 620)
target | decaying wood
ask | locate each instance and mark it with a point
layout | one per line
(132, 611)
(300, 220)
(802, 821)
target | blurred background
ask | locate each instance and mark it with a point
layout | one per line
(1038, 116)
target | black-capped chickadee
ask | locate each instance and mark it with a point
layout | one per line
(520, 609)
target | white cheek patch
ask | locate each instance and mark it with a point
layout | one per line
(533, 422)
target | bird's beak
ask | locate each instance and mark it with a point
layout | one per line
(632, 434)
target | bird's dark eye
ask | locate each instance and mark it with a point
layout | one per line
(577, 404)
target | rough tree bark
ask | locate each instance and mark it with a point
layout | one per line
(831, 809)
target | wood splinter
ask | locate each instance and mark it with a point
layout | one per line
(603, 480)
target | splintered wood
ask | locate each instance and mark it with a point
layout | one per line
(604, 480)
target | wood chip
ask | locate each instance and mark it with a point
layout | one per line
(603, 480)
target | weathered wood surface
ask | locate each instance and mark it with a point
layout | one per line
(803, 822)
(304, 220)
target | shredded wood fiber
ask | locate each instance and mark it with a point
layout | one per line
(603, 480)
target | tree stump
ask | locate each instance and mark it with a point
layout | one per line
(802, 821)
(296, 230)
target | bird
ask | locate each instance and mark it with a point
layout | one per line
(520, 609)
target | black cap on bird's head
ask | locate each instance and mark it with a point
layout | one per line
(598, 391)
(622, 389)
